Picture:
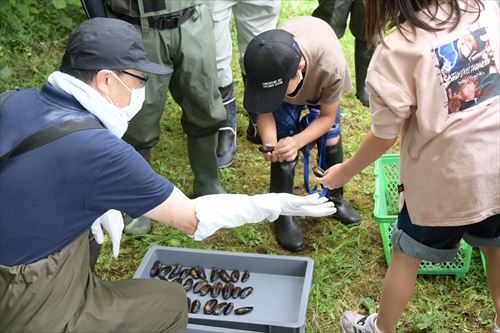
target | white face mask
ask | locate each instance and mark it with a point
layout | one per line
(137, 97)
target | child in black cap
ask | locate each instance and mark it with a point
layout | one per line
(287, 69)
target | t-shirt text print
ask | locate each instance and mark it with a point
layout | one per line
(468, 70)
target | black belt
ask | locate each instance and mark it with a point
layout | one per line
(163, 22)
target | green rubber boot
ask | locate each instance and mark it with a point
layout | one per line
(203, 160)
(142, 224)
(362, 56)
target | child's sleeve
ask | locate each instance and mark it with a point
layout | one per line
(340, 84)
(389, 104)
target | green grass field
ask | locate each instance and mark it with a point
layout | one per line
(349, 262)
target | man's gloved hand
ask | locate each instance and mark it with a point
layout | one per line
(112, 222)
(311, 205)
(233, 210)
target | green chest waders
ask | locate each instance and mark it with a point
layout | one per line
(179, 34)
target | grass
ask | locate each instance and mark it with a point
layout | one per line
(349, 262)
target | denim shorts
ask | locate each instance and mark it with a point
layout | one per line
(439, 244)
(287, 119)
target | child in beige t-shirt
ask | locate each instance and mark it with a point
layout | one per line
(301, 64)
(435, 80)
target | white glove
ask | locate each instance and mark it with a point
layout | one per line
(233, 210)
(311, 205)
(112, 222)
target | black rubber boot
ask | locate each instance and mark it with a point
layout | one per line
(226, 143)
(252, 133)
(95, 250)
(142, 224)
(203, 160)
(287, 229)
(362, 56)
(145, 153)
(346, 214)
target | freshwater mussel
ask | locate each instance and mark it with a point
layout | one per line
(198, 285)
(216, 289)
(219, 308)
(176, 271)
(236, 292)
(194, 273)
(245, 292)
(195, 306)
(164, 270)
(224, 276)
(214, 274)
(245, 276)
(227, 290)
(243, 310)
(235, 275)
(229, 307)
(185, 273)
(155, 269)
(201, 272)
(205, 289)
(188, 284)
(210, 306)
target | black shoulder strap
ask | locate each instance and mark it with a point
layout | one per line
(4, 97)
(47, 135)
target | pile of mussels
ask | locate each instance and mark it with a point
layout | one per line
(195, 280)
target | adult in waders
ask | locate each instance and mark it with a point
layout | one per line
(178, 34)
(337, 13)
(64, 167)
(251, 17)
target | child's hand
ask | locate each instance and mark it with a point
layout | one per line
(286, 149)
(334, 177)
(267, 151)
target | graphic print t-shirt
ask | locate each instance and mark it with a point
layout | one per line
(440, 91)
(468, 69)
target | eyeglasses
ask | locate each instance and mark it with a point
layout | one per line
(143, 79)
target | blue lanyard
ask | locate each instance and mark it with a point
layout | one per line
(321, 163)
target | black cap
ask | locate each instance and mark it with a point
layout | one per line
(271, 60)
(106, 43)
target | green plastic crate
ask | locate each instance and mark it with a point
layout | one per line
(386, 211)
(483, 260)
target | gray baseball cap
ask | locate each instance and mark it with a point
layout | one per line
(106, 43)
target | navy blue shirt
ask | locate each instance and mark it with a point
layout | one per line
(51, 195)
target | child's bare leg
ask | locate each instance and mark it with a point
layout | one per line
(492, 256)
(398, 286)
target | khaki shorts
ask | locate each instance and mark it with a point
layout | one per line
(61, 294)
